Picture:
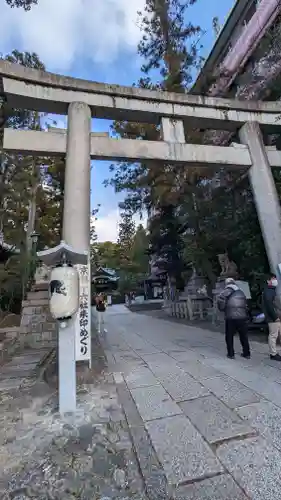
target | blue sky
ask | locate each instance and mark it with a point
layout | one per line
(95, 40)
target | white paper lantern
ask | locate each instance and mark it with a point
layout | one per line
(64, 292)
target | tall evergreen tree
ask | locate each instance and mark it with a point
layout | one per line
(167, 244)
(170, 48)
(125, 241)
(31, 190)
(139, 251)
(213, 219)
(29, 183)
(169, 44)
(24, 4)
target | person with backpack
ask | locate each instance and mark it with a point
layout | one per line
(232, 301)
(272, 313)
(100, 307)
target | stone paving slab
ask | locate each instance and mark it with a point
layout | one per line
(185, 356)
(230, 391)
(24, 360)
(152, 471)
(266, 418)
(255, 465)
(19, 373)
(190, 340)
(126, 367)
(159, 359)
(237, 370)
(154, 402)
(254, 380)
(125, 356)
(269, 362)
(147, 350)
(260, 347)
(240, 372)
(165, 348)
(270, 372)
(184, 454)
(174, 350)
(199, 371)
(179, 384)
(23, 366)
(11, 383)
(218, 488)
(211, 351)
(140, 377)
(138, 344)
(116, 347)
(268, 389)
(19, 367)
(214, 420)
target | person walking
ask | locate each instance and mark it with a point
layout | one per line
(232, 301)
(272, 315)
(100, 307)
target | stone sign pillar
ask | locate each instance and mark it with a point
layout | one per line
(264, 191)
(64, 285)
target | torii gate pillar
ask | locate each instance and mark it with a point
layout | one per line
(264, 191)
(76, 212)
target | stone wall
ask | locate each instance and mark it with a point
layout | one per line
(37, 328)
(9, 342)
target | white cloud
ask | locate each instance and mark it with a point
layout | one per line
(61, 31)
(107, 226)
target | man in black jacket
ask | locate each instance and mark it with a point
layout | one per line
(232, 301)
(272, 316)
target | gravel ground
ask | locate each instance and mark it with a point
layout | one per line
(88, 456)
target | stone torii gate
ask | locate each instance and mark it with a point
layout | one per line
(81, 100)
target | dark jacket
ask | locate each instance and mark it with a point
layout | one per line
(269, 304)
(100, 306)
(232, 301)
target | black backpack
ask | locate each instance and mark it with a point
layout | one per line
(100, 306)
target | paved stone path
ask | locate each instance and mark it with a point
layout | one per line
(204, 427)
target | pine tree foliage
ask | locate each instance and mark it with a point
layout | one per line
(126, 233)
(170, 47)
(169, 44)
(140, 257)
(166, 242)
(26, 180)
(23, 4)
(215, 218)
(24, 177)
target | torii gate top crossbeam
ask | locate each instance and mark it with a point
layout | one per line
(47, 92)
